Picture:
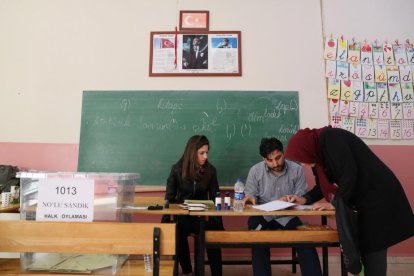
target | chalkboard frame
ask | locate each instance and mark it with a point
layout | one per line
(167, 48)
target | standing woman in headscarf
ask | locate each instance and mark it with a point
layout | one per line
(193, 177)
(344, 165)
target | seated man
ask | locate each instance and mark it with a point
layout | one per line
(273, 179)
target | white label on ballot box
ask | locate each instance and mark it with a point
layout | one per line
(65, 200)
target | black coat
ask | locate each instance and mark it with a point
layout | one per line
(205, 188)
(202, 189)
(366, 183)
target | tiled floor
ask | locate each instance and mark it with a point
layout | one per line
(334, 270)
(396, 267)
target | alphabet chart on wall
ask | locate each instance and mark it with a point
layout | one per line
(370, 87)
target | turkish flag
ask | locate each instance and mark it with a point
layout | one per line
(166, 43)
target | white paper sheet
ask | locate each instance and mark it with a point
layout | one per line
(274, 205)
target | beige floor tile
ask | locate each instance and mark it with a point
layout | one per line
(401, 266)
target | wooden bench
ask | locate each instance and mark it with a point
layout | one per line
(90, 238)
(272, 238)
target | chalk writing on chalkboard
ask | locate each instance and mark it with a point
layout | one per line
(146, 131)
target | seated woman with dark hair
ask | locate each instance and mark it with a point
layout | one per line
(193, 177)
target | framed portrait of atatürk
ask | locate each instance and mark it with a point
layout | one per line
(195, 53)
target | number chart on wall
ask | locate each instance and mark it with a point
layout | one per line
(370, 87)
(146, 131)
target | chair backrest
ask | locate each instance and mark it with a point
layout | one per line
(85, 237)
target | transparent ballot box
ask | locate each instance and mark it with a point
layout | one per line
(67, 196)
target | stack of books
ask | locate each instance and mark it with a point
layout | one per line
(197, 205)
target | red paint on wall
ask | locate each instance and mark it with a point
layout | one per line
(40, 156)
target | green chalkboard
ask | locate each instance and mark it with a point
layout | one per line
(146, 131)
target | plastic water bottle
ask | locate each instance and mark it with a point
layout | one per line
(238, 195)
(148, 263)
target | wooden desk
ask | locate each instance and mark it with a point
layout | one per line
(158, 239)
(250, 211)
(13, 208)
(247, 238)
(141, 201)
(174, 209)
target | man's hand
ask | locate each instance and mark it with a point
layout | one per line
(249, 198)
(294, 199)
(321, 206)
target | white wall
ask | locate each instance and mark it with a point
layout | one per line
(52, 50)
(370, 19)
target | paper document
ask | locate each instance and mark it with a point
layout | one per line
(209, 203)
(70, 263)
(274, 205)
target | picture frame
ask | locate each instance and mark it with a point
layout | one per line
(194, 20)
(196, 53)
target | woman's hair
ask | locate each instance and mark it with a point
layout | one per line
(190, 169)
